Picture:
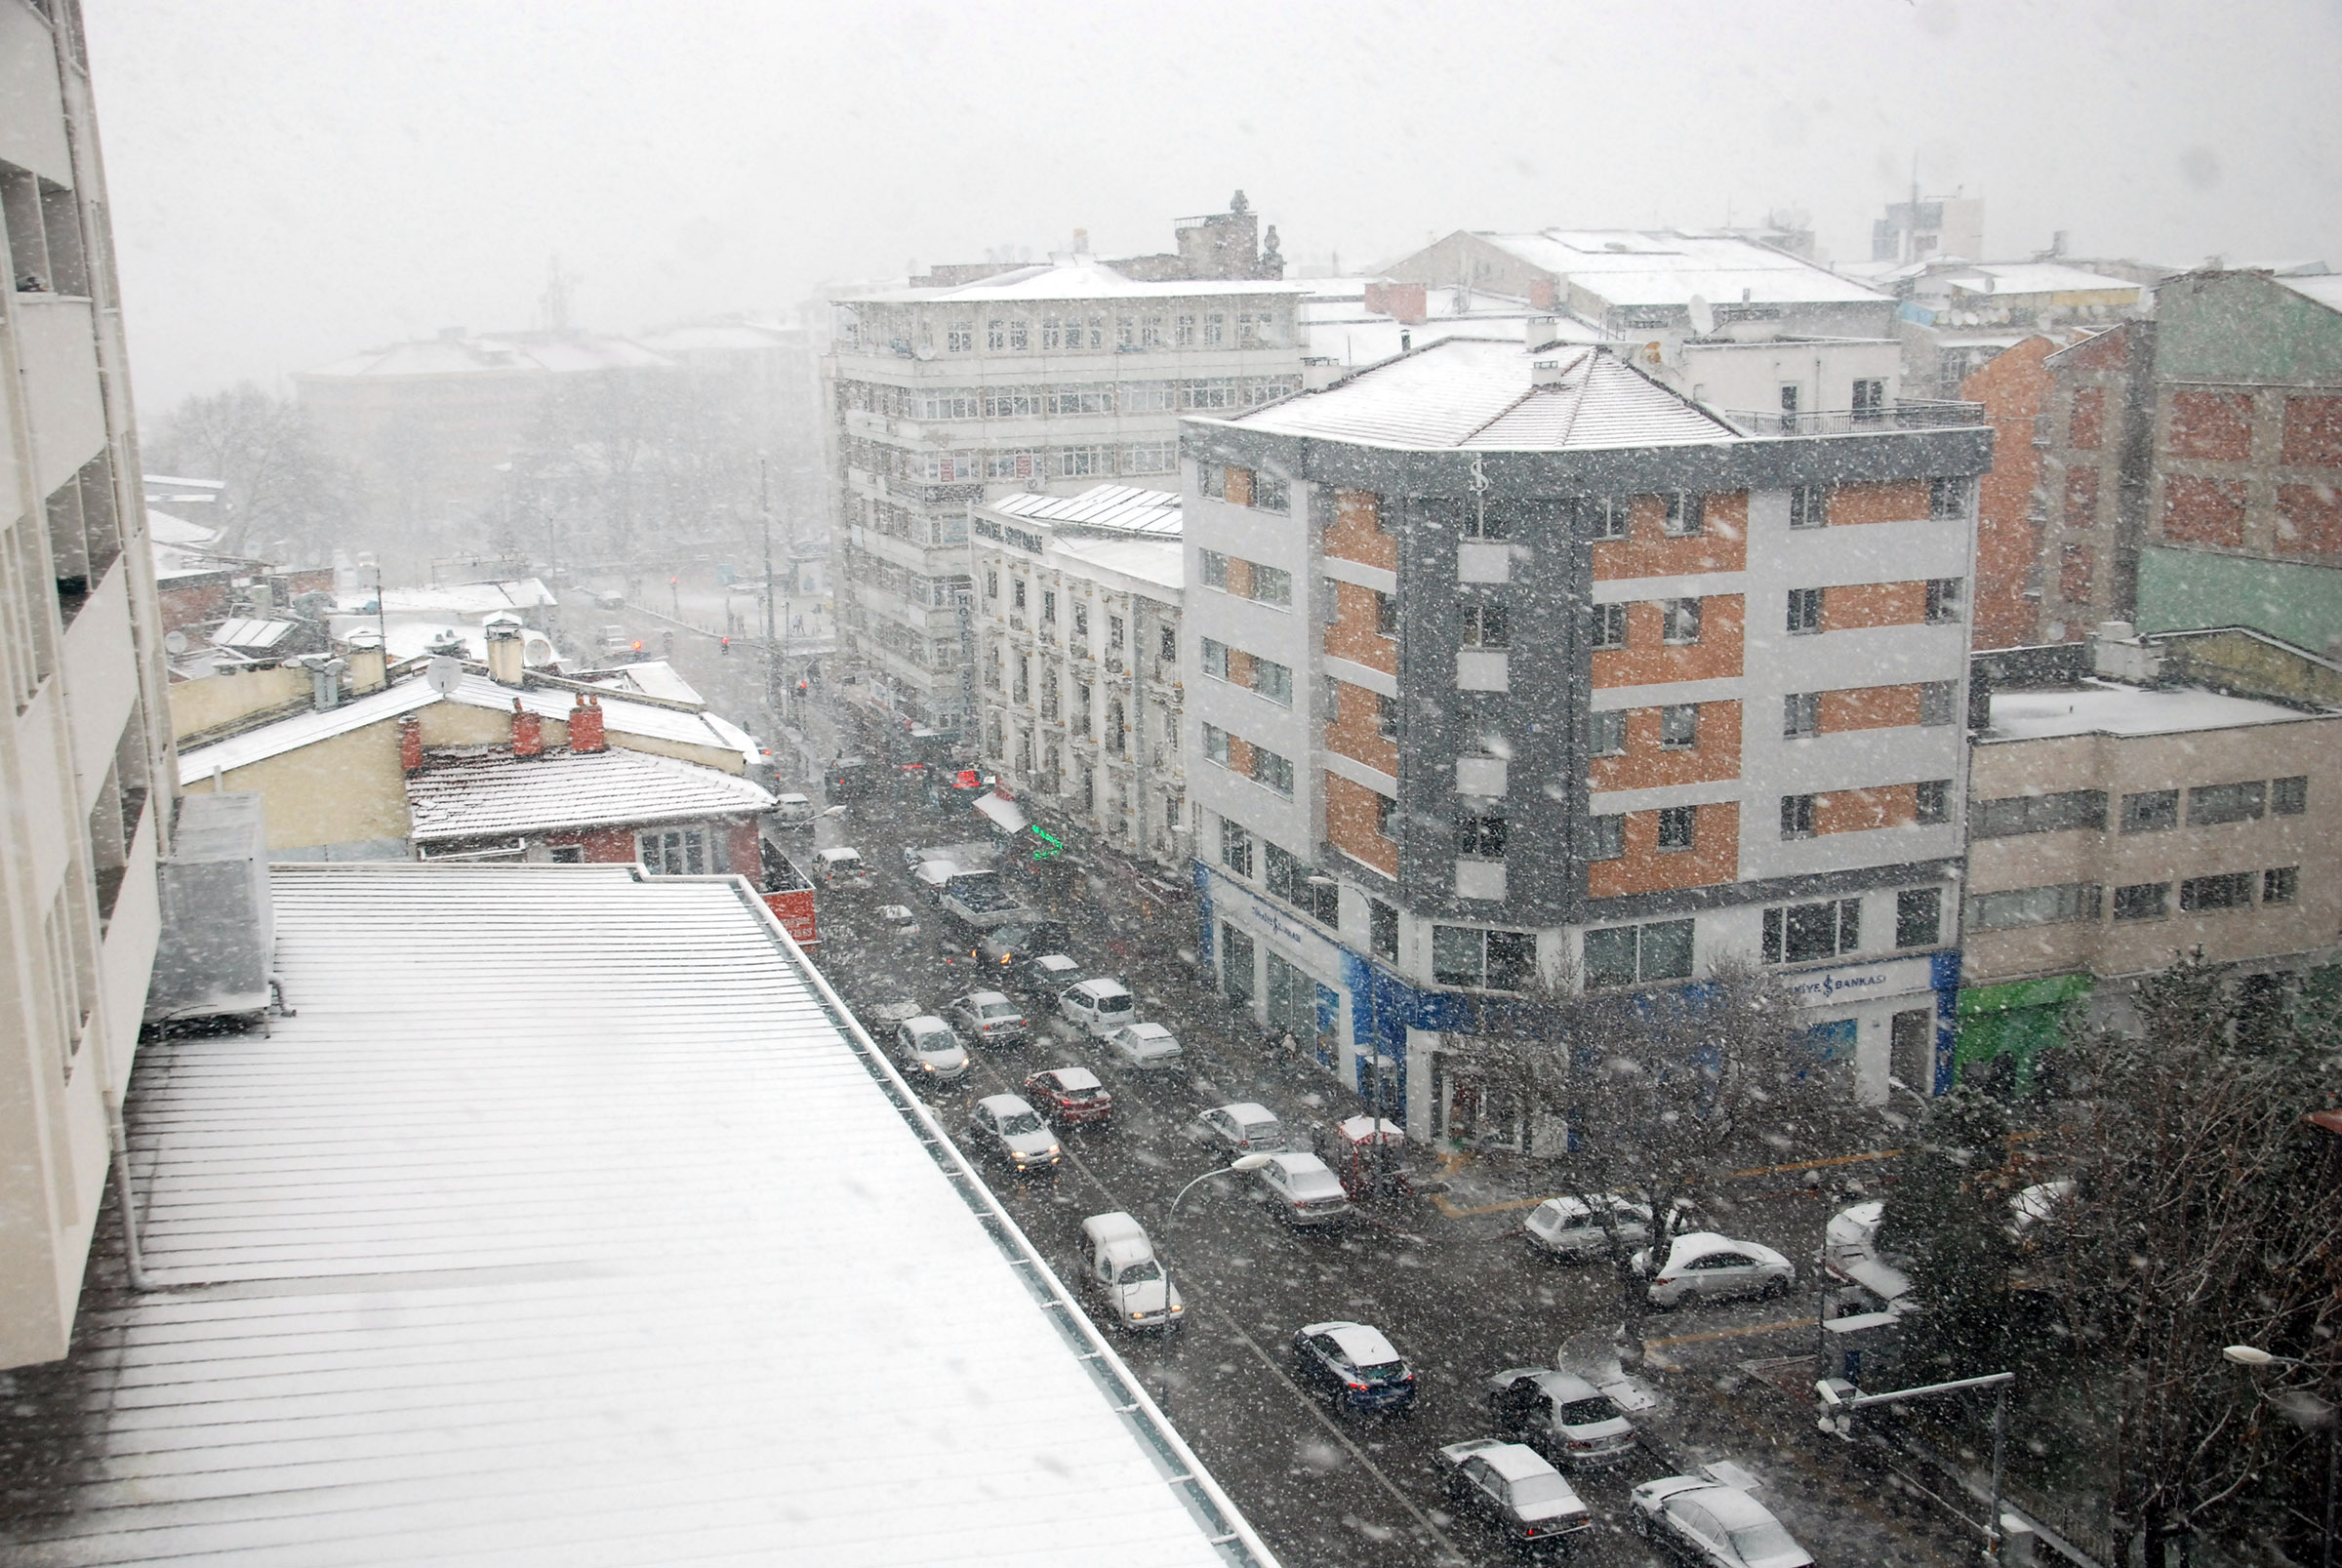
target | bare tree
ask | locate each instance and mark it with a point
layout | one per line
(284, 494)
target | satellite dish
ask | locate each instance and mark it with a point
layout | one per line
(925, 350)
(445, 675)
(1703, 316)
(174, 643)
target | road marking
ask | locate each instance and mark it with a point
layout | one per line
(1439, 1202)
(1728, 1333)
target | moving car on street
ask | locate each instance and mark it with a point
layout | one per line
(1303, 1190)
(1070, 1096)
(1245, 1128)
(1144, 1046)
(1012, 946)
(1047, 975)
(991, 1019)
(1098, 1006)
(841, 867)
(1560, 1414)
(1714, 1523)
(926, 1047)
(1512, 1486)
(1353, 1365)
(1707, 1266)
(1117, 1263)
(901, 919)
(794, 811)
(1008, 1130)
(1571, 1227)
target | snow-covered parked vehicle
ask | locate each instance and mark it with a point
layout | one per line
(1099, 1007)
(1563, 1416)
(1511, 1484)
(1117, 1264)
(1574, 1228)
(1707, 1266)
(1714, 1522)
(1850, 1254)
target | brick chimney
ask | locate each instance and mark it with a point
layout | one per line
(410, 743)
(505, 664)
(585, 724)
(1406, 303)
(528, 732)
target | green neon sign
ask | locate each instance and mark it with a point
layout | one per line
(1050, 844)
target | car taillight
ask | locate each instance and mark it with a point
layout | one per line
(1358, 1387)
(1665, 1281)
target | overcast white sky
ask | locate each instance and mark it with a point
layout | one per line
(296, 179)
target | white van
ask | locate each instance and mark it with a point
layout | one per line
(1098, 1006)
(841, 868)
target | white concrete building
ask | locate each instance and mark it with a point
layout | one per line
(84, 738)
(1077, 614)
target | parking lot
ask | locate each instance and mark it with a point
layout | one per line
(1448, 1277)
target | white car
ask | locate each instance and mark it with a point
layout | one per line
(1714, 1523)
(1007, 1129)
(1707, 1266)
(1568, 1227)
(927, 1048)
(1098, 1006)
(794, 811)
(1511, 1483)
(900, 918)
(1850, 1252)
(1116, 1262)
(1245, 1128)
(1144, 1045)
(991, 1018)
(841, 867)
(1561, 1413)
(1304, 1189)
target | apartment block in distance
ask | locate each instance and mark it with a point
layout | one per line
(985, 380)
(83, 741)
(1591, 688)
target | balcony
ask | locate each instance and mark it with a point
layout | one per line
(1909, 413)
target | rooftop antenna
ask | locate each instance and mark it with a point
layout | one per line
(554, 301)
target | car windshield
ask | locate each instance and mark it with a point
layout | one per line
(1586, 1412)
(1018, 1122)
(1757, 1541)
(999, 1009)
(1385, 1372)
(1530, 1490)
(1138, 1273)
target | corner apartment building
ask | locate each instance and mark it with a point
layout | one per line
(1076, 615)
(84, 743)
(1590, 689)
(1048, 377)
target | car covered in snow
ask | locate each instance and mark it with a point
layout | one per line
(1010, 948)
(1007, 1129)
(1069, 1097)
(1562, 1415)
(841, 867)
(794, 811)
(926, 1047)
(1145, 1046)
(1512, 1487)
(1117, 1264)
(1047, 975)
(1246, 1128)
(1850, 1254)
(900, 920)
(1302, 1189)
(1705, 1265)
(1574, 1228)
(1099, 1007)
(1714, 1522)
(1353, 1365)
(991, 1019)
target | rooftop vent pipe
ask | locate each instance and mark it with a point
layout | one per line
(506, 665)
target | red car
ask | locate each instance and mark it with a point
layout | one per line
(1069, 1095)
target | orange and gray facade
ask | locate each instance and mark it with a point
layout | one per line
(1512, 673)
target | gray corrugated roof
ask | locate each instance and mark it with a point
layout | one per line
(1478, 395)
(482, 790)
(560, 1221)
(1128, 508)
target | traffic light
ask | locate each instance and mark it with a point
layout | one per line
(727, 645)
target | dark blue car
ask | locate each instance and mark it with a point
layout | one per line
(1355, 1366)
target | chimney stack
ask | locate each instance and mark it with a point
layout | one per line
(504, 666)
(528, 732)
(1538, 331)
(410, 743)
(585, 725)
(369, 669)
(1545, 372)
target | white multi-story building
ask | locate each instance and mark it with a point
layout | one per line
(1077, 614)
(1046, 377)
(85, 740)
(1511, 671)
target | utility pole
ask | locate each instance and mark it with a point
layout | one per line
(771, 644)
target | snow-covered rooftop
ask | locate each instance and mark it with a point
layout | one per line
(562, 1218)
(2037, 277)
(1636, 267)
(524, 354)
(2325, 290)
(653, 677)
(2108, 707)
(1472, 393)
(1074, 277)
(1153, 567)
(1125, 509)
(484, 791)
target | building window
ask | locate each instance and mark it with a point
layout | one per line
(1116, 740)
(1023, 691)
(1386, 716)
(1215, 658)
(1918, 917)
(1048, 604)
(1606, 733)
(1126, 332)
(1273, 680)
(1215, 570)
(2280, 884)
(2289, 798)
(1606, 517)
(1679, 726)
(1386, 816)
(1382, 928)
(1483, 960)
(566, 853)
(1166, 642)
(1270, 493)
(1272, 585)
(673, 852)
(2037, 813)
(2211, 804)
(2151, 811)
(1081, 622)
(2051, 906)
(1797, 816)
(1478, 524)
(1686, 514)
(2229, 890)
(991, 584)
(1809, 507)
(1938, 700)
(1271, 770)
(1019, 335)
(1947, 500)
(1681, 618)
(1932, 801)
(1609, 629)
(2143, 901)
(1623, 955)
(1804, 611)
(1943, 600)
(1215, 330)
(960, 337)
(1869, 397)
(995, 334)
(1799, 933)
(1385, 614)
(1150, 333)
(1081, 463)
(1236, 848)
(1215, 744)
(1801, 714)
(1481, 836)
(1289, 877)
(1484, 624)
(1150, 457)
(1677, 826)
(1182, 331)
(1606, 837)
(1113, 633)
(1016, 593)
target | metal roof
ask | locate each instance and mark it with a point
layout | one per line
(1126, 508)
(563, 1217)
(1640, 266)
(476, 791)
(1475, 394)
(243, 631)
(1078, 278)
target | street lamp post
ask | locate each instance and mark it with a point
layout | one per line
(2252, 1355)
(1246, 1162)
(1839, 1401)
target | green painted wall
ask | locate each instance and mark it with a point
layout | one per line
(2180, 590)
(2019, 1020)
(2236, 327)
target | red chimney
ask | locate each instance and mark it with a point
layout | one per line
(528, 732)
(585, 724)
(410, 743)
(1541, 294)
(1405, 302)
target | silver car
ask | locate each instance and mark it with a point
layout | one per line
(1715, 1524)
(991, 1018)
(1707, 1266)
(1572, 1227)
(926, 1047)
(1245, 1128)
(1559, 1413)
(1511, 1483)
(1008, 1130)
(1302, 1189)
